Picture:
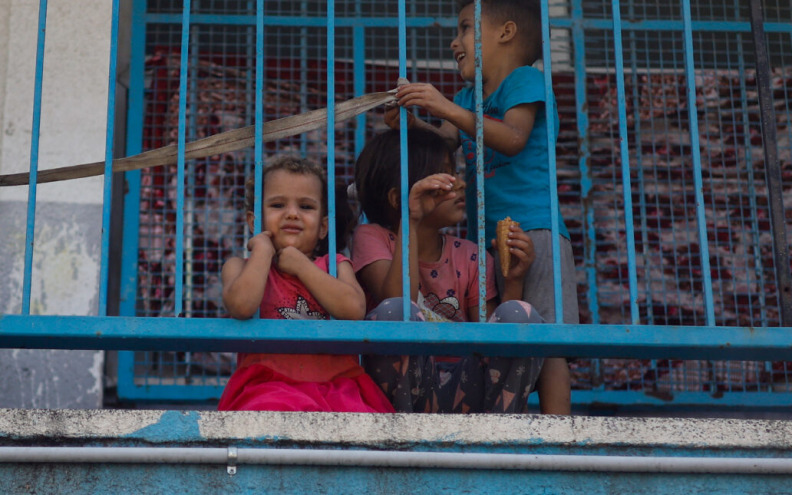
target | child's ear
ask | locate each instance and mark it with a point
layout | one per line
(508, 31)
(323, 228)
(251, 221)
(393, 198)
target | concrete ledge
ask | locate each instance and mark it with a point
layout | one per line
(547, 434)
(555, 441)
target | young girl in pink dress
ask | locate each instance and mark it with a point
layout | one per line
(285, 277)
(443, 280)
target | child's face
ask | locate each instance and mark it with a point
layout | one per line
(464, 43)
(451, 212)
(292, 205)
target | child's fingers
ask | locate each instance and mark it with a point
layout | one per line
(391, 117)
(417, 94)
(520, 248)
(521, 242)
(441, 183)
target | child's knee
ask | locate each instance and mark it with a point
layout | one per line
(516, 312)
(391, 309)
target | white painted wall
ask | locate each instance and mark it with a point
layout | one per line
(68, 222)
(74, 97)
(73, 127)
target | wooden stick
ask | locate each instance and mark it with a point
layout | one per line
(217, 144)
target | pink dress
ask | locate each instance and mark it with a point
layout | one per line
(299, 382)
(449, 286)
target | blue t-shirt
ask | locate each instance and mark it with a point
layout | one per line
(516, 186)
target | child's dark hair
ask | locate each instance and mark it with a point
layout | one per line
(377, 170)
(291, 164)
(344, 217)
(527, 14)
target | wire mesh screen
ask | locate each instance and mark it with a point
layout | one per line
(221, 96)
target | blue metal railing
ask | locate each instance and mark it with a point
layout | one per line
(34, 156)
(633, 340)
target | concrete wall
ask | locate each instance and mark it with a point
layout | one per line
(68, 215)
(278, 434)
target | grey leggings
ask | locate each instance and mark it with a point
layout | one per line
(466, 385)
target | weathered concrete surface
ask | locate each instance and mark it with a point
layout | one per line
(74, 92)
(399, 431)
(434, 433)
(65, 282)
(68, 214)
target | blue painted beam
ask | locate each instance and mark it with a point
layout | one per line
(311, 336)
(450, 22)
(669, 25)
(626, 399)
(298, 21)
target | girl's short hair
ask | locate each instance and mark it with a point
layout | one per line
(345, 221)
(291, 164)
(377, 170)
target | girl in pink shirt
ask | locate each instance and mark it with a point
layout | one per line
(443, 280)
(286, 277)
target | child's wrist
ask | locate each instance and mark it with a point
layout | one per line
(513, 283)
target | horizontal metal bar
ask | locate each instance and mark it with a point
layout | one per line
(398, 459)
(749, 399)
(354, 337)
(450, 22)
(184, 393)
(668, 25)
(307, 21)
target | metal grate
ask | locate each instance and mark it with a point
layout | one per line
(670, 279)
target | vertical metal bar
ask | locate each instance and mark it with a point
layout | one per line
(258, 144)
(258, 122)
(754, 222)
(250, 77)
(584, 153)
(405, 213)
(359, 80)
(251, 101)
(303, 75)
(757, 264)
(185, 48)
(331, 238)
(30, 233)
(108, 171)
(551, 165)
(774, 184)
(690, 75)
(481, 223)
(134, 145)
(639, 168)
(625, 163)
(189, 200)
(676, 246)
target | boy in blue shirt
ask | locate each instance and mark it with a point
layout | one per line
(515, 156)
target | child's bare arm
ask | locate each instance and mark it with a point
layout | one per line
(342, 297)
(447, 131)
(508, 136)
(244, 280)
(383, 278)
